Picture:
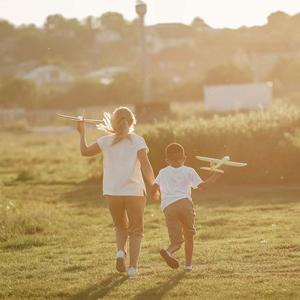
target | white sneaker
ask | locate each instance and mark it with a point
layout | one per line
(120, 254)
(120, 261)
(132, 272)
(188, 268)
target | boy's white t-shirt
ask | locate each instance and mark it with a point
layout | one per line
(176, 184)
(122, 174)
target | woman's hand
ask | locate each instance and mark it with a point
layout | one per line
(81, 127)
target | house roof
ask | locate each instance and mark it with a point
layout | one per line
(172, 30)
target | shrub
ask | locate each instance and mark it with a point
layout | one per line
(268, 141)
(23, 219)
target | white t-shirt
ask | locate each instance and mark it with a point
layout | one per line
(176, 184)
(122, 174)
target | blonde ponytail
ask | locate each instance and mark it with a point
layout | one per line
(120, 123)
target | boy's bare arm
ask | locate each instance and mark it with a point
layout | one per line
(209, 181)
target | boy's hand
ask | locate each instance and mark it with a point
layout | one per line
(209, 181)
(155, 194)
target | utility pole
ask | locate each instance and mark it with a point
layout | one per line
(141, 10)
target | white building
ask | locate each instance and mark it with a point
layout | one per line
(49, 75)
(235, 97)
(107, 37)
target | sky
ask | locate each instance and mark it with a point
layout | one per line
(216, 13)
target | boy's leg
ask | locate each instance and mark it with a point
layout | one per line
(118, 213)
(174, 227)
(175, 235)
(135, 211)
(187, 216)
(188, 248)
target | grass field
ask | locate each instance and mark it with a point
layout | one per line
(57, 239)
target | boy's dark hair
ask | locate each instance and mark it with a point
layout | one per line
(175, 152)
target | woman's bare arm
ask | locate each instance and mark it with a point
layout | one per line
(146, 166)
(85, 149)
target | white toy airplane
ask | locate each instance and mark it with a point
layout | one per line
(81, 118)
(217, 163)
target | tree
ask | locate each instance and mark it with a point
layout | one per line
(6, 29)
(198, 24)
(278, 19)
(287, 72)
(113, 21)
(227, 74)
(18, 93)
(68, 38)
(60, 25)
(295, 21)
(124, 89)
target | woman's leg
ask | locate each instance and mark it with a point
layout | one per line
(135, 211)
(118, 213)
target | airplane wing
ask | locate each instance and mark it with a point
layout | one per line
(72, 118)
(68, 117)
(235, 164)
(214, 160)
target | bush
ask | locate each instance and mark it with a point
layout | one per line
(23, 219)
(268, 141)
(18, 93)
(227, 74)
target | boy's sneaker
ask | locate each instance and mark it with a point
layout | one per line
(132, 272)
(171, 261)
(188, 268)
(120, 261)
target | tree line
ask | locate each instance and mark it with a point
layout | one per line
(74, 45)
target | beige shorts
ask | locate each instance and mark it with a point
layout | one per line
(180, 220)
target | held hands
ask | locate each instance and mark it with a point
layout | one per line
(155, 194)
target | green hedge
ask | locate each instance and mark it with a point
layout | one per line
(268, 140)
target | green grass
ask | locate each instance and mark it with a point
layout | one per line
(57, 239)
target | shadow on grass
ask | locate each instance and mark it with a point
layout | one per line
(247, 196)
(86, 193)
(23, 244)
(160, 290)
(99, 290)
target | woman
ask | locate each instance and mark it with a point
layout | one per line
(125, 161)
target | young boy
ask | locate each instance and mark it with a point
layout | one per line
(174, 183)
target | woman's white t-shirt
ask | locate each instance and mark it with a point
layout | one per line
(122, 174)
(176, 184)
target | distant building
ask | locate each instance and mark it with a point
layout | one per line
(235, 97)
(107, 37)
(106, 75)
(49, 75)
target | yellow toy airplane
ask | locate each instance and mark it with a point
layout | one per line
(81, 118)
(217, 163)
